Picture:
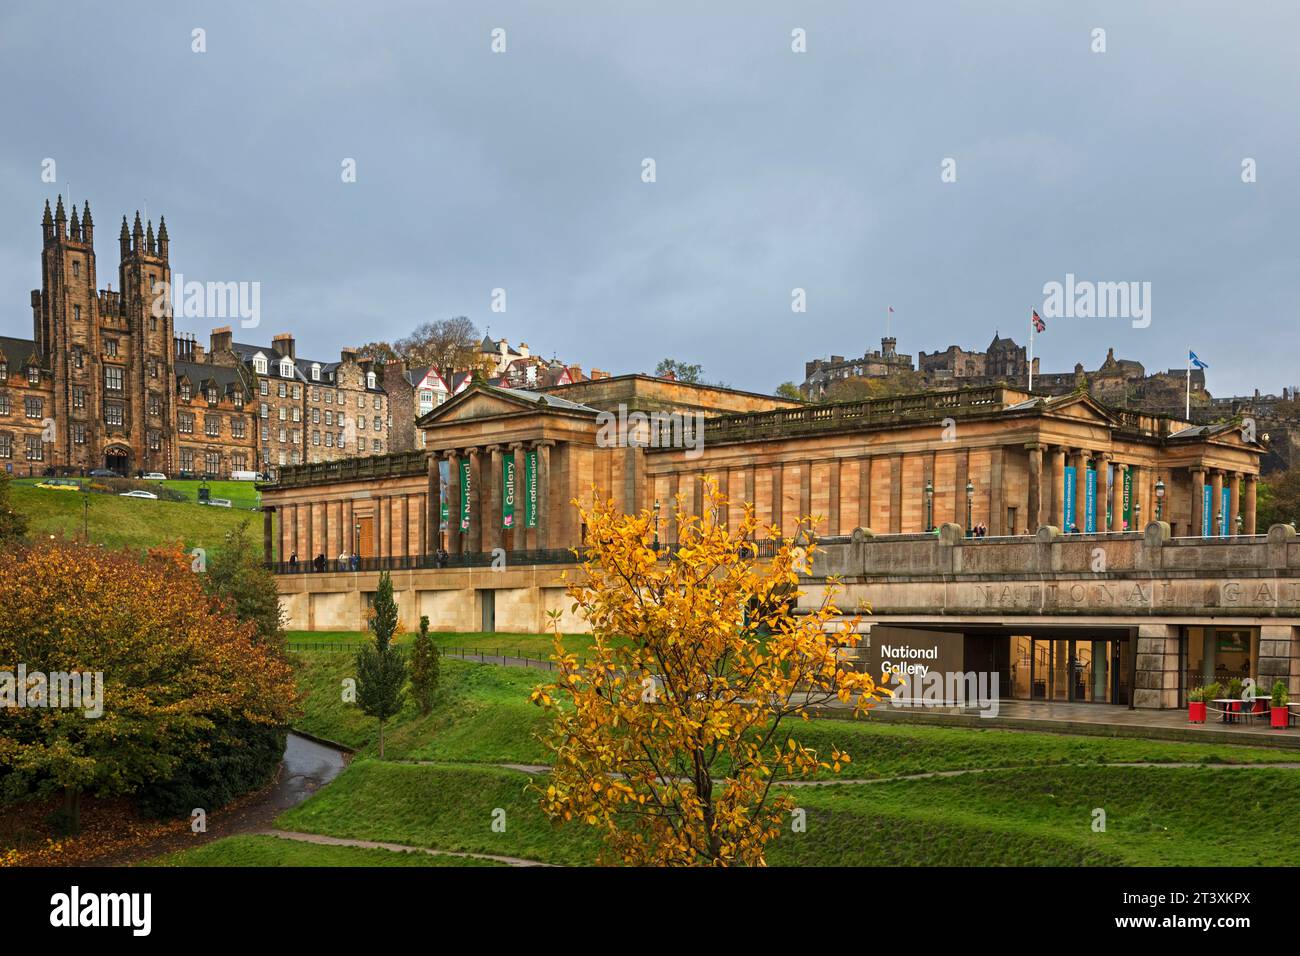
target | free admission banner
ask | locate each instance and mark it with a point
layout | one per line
(1206, 511)
(508, 492)
(530, 488)
(1224, 504)
(1068, 491)
(465, 492)
(1090, 500)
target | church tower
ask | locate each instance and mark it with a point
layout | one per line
(146, 320)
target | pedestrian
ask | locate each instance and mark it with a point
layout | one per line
(441, 557)
(293, 561)
(319, 562)
(343, 560)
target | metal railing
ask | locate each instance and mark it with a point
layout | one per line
(423, 562)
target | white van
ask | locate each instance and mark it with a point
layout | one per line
(245, 476)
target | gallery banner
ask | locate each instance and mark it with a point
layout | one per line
(508, 492)
(530, 488)
(1128, 500)
(1206, 509)
(1225, 505)
(465, 492)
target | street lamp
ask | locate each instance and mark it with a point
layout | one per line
(929, 505)
(656, 527)
(1239, 523)
(1160, 498)
(970, 501)
(1137, 515)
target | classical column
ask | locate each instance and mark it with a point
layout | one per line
(1057, 480)
(297, 524)
(348, 528)
(1248, 512)
(1234, 503)
(864, 492)
(407, 537)
(520, 532)
(1103, 490)
(778, 494)
(1198, 501)
(805, 489)
(455, 537)
(325, 529)
(268, 534)
(833, 508)
(544, 516)
(309, 538)
(1080, 488)
(474, 541)
(433, 508)
(997, 502)
(1034, 507)
(1216, 501)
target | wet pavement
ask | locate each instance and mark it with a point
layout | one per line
(307, 767)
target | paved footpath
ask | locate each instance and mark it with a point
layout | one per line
(395, 847)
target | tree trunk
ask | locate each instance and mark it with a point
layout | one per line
(72, 809)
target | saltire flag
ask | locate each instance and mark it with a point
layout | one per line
(1039, 324)
(891, 308)
(1191, 357)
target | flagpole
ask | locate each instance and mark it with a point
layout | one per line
(1189, 387)
(1031, 351)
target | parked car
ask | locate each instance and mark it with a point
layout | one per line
(245, 476)
(103, 473)
(154, 476)
(59, 484)
(219, 502)
(139, 494)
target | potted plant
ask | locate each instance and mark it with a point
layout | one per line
(1280, 715)
(1196, 705)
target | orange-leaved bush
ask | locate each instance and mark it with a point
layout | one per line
(175, 661)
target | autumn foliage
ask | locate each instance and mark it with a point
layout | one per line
(671, 743)
(176, 664)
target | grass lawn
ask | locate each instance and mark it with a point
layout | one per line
(1033, 805)
(1030, 817)
(481, 713)
(451, 807)
(127, 522)
(272, 851)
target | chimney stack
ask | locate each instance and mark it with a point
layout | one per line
(283, 343)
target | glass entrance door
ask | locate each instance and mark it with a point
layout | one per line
(1078, 670)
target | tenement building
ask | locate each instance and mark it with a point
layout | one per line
(106, 381)
(501, 467)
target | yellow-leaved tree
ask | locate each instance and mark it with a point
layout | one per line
(670, 736)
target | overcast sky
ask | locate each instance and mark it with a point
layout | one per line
(775, 170)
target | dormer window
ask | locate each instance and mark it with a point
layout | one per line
(286, 369)
(259, 364)
(185, 391)
(315, 372)
(370, 380)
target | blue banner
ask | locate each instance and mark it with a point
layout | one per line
(1090, 501)
(1205, 511)
(1225, 504)
(1068, 491)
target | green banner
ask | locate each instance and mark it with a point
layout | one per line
(508, 492)
(1128, 500)
(444, 515)
(530, 488)
(464, 494)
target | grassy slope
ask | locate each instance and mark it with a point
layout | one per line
(1039, 814)
(481, 713)
(127, 522)
(1038, 817)
(271, 851)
